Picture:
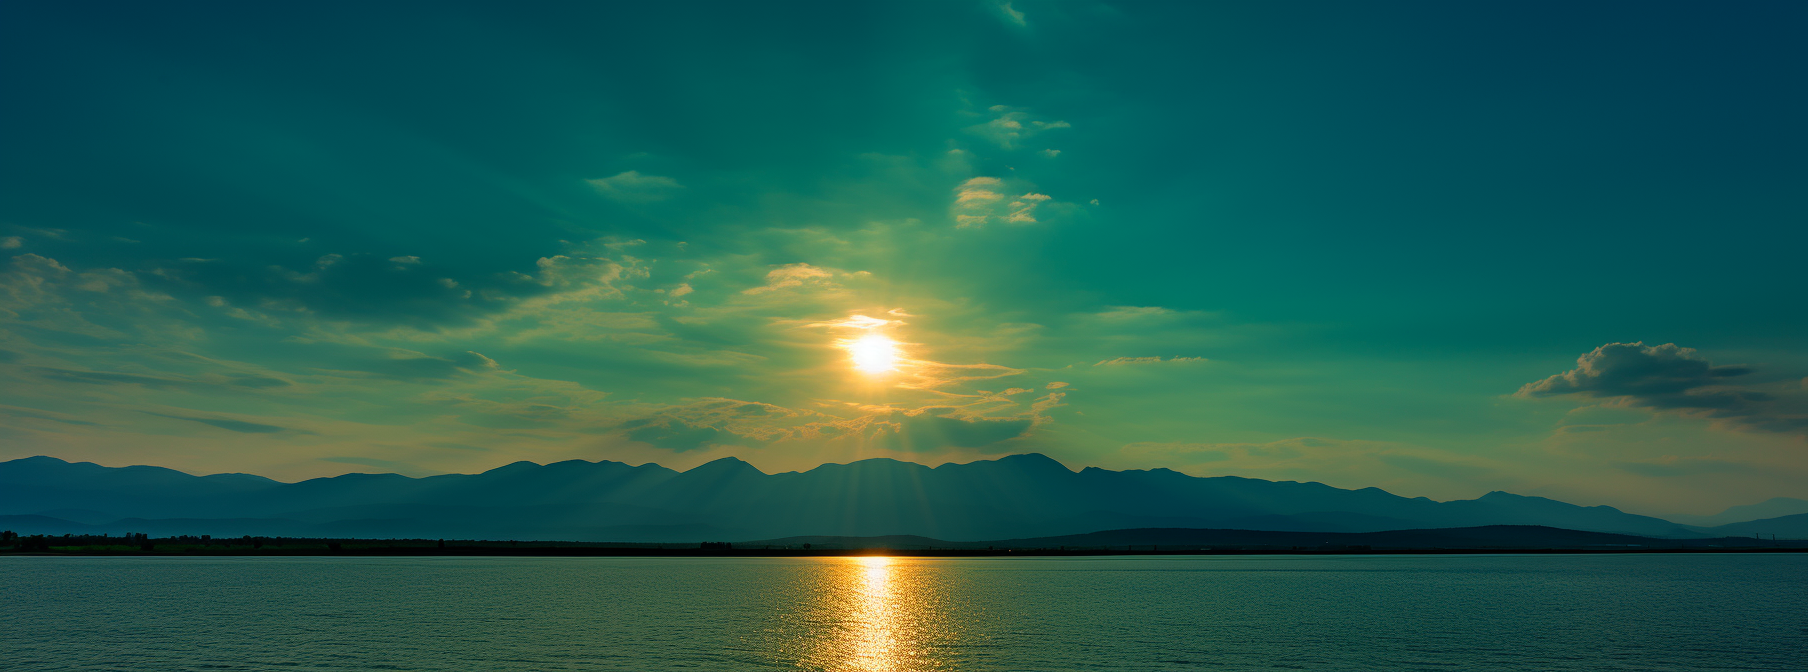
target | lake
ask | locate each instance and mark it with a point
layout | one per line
(1477, 612)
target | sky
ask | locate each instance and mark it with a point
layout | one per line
(1438, 248)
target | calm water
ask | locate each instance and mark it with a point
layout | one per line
(1681, 612)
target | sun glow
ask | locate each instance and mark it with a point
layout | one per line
(873, 354)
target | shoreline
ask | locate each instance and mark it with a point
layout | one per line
(583, 552)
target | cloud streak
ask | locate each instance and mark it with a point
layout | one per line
(633, 187)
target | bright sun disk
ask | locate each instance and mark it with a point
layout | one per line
(874, 353)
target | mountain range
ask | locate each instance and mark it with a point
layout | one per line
(1014, 497)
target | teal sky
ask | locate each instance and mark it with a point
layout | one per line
(1439, 248)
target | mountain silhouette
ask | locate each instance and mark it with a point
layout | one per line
(1014, 497)
(1504, 537)
(1775, 507)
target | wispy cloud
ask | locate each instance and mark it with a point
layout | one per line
(633, 187)
(1127, 361)
(1010, 14)
(231, 425)
(1010, 126)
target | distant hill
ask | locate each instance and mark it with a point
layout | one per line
(1015, 497)
(1784, 527)
(1502, 537)
(1774, 507)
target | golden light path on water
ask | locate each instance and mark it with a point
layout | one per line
(875, 627)
(882, 615)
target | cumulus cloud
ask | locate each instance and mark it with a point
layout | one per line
(1669, 378)
(985, 199)
(633, 187)
(11, 242)
(1637, 370)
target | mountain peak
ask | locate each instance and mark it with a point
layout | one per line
(514, 467)
(725, 466)
(38, 459)
(1033, 461)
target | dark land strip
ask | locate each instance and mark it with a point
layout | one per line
(1492, 539)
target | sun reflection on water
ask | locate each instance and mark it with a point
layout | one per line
(874, 631)
(881, 615)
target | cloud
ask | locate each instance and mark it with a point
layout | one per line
(1670, 378)
(1674, 467)
(364, 289)
(239, 426)
(1134, 313)
(17, 412)
(104, 378)
(675, 435)
(405, 365)
(1635, 369)
(859, 322)
(717, 422)
(1010, 126)
(926, 432)
(792, 275)
(633, 187)
(11, 242)
(371, 462)
(452, 445)
(983, 199)
(1010, 15)
(1124, 361)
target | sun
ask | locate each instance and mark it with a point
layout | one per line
(873, 354)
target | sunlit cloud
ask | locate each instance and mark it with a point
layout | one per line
(793, 275)
(861, 322)
(980, 200)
